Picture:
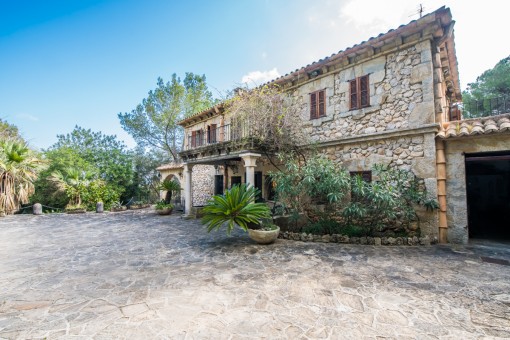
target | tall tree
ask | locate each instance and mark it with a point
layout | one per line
(492, 83)
(19, 167)
(154, 122)
(107, 155)
(490, 92)
(86, 151)
(8, 131)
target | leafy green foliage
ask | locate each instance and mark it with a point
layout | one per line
(235, 207)
(103, 158)
(154, 122)
(317, 181)
(329, 227)
(388, 200)
(164, 205)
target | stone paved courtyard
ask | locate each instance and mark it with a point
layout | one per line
(136, 275)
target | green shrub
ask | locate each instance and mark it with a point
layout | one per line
(390, 199)
(235, 207)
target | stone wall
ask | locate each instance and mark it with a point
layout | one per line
(401, 96)
(413, 152)
(202, 183)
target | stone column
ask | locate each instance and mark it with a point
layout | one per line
(37, 209)
(250, 162)
(188, 195)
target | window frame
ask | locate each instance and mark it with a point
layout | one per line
(316, 104)
(359, 92)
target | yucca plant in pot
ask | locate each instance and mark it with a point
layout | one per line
(237, 207)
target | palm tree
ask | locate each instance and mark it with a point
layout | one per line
(18, 171)
(73, 181)
(235, 207)
(170, 187)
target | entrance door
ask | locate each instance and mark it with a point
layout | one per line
(235, 180)
(258, 184)
(218, 184)
(488, 195)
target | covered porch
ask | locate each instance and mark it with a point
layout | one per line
(227, 170)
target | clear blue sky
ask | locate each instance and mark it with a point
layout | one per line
(81, 62)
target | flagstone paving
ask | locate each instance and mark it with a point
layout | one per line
(137, 275)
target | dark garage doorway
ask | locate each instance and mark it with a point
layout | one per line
(488, 195)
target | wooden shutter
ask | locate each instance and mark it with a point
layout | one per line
(354, 94)
(193, 139)
(214, 127)
(363, 91)
(322, 106)
(313, 105)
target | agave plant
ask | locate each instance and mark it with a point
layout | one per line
(18, 170)
(235, 207)
(170, 187)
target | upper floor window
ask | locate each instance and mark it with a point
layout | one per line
(317, 104)
(359, 92)
(211, 133)
(197, 138)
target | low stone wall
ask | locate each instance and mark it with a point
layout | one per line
(377, 241)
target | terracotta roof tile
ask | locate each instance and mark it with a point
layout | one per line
(169, 166)
(476, 126)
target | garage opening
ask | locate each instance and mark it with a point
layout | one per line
(488, 195)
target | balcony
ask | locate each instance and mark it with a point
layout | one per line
(216, 144)
(483, 108)
(215, 136)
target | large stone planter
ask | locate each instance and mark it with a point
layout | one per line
(138, 206)
(167, 211)
(264, 236)
(76, 211)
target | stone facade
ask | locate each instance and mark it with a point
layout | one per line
(412, 81)
(203, 184)
(401, 96)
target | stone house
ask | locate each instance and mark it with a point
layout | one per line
(386, 100)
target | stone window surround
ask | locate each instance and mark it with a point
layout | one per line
(359, 92)
(317, 100)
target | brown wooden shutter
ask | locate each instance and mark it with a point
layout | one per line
(313, 105)
(354, 94)
(214, 127)
(193, 139)
(322, 106)
(364, 93)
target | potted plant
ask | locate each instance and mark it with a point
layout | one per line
(117, 206)
(138, 205)
(237, 207)
(75, 209)
(163, 208)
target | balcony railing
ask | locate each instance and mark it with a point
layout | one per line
(485, 107)
(211, 136)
